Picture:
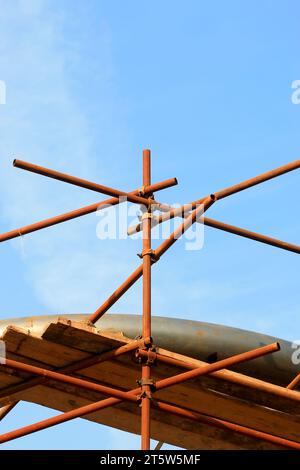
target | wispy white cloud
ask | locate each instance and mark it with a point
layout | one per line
(43, 122)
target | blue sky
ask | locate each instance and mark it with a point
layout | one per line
(205, 85)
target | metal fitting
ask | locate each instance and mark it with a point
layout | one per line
(142, 395)
(148, 342)
(147, 215)
(147, 357)
(150, 253)
(150, 382)
(141, 190)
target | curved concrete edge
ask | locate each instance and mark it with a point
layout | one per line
(205, 341)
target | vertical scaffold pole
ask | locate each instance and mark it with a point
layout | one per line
(146, 369)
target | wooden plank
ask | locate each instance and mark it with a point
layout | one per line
(19, 342)
(216, 382)
(81, 336)
(248, 389)
(125, 372)
(178, 431)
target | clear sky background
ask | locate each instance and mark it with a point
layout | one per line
(207, 86)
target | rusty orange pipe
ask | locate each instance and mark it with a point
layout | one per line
(223, 364)
(99, 188)
(67, 379)
(293, 384)
(251, 235)
(117, 294)
(257, 179)
(82, 211)
(146, 313)
(62, 418)
(227, 425)
(226, 228)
